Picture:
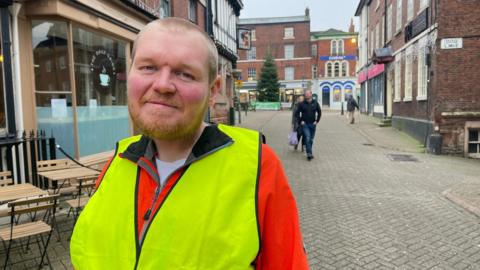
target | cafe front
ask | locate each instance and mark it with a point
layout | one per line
(74, 67)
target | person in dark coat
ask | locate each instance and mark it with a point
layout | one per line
(351, 105)
(309, 114)
(296, 124)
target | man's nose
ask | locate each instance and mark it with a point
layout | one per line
(163, 81)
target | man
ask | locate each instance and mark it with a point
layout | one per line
(351, 105)
(185, 194)
(309, 114)
(296, 124)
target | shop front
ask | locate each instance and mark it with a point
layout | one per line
(78, 69)
(334, 93)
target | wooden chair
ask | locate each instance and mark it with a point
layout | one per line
(32, 227)
(6, 178)
(85, 189)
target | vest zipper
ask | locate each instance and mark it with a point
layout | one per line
(149, 214)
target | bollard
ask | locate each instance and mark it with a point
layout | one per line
(342, 108)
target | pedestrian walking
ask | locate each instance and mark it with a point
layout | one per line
(351, 105)
(309, 113)
(296, 124)
(186, 194)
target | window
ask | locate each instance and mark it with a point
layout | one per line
(48, 66)
(99, 69)
(252, 74)
(382, 32)
(192, 10)
(474, 142)
(329, 69)
(288, 32)
(254, 34)
(289, 51)
(377, 35)
(314, 49)
(165, 8)
(398, 77)
(399, 15)
(422, 75)
(409, 10)
(252, 54)
(289, 73)
(389, 22)
(372, 42)
(340, 46)
(408, 75)
(336, 69)
(314, 71)
(333, 47)
(344, 68)
(423, 4)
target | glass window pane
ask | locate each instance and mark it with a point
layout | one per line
(50, 56)
(100, 78)
(473, 135)
(55, 117)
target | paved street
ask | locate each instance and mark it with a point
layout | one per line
(360, 210)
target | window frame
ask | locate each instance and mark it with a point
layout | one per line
(286, 32)
(289, 69)
(290, 51)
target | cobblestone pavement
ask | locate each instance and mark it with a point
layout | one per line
(361, 210)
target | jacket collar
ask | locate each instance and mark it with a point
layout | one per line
(211, 139)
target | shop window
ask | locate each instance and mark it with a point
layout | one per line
(101, 90)
(100, 87)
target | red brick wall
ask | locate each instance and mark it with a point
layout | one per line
(457, 70)
(269, 37)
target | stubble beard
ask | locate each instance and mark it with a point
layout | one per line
(160, 129)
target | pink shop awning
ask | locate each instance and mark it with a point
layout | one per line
(376, 70)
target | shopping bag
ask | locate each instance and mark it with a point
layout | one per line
(292, 138)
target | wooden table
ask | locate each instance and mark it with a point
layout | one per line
(20, 191)
(73, 173)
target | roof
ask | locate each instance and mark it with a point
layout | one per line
(360, 6)
(330, 32)
(272, 20)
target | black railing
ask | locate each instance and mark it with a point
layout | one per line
(20, 155)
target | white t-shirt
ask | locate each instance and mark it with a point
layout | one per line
(166, 168)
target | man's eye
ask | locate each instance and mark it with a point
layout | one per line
(184, 76)
(147, 68)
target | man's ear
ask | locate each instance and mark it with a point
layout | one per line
(214, 89)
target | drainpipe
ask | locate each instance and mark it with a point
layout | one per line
(14, 10)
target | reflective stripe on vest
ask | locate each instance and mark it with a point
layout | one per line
(208, 221)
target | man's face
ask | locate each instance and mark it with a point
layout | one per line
(168, 87)
(300, 99)
(308, 95)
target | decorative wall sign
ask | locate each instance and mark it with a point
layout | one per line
(103, 70)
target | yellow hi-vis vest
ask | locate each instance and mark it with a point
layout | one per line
(207, 222)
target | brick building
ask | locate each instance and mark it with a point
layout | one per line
(334, 57)
(287, 39)
(429, 51)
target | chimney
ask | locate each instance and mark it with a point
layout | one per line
(307, 12)
(351, 29)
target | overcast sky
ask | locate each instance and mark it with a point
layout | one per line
(324, 14)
